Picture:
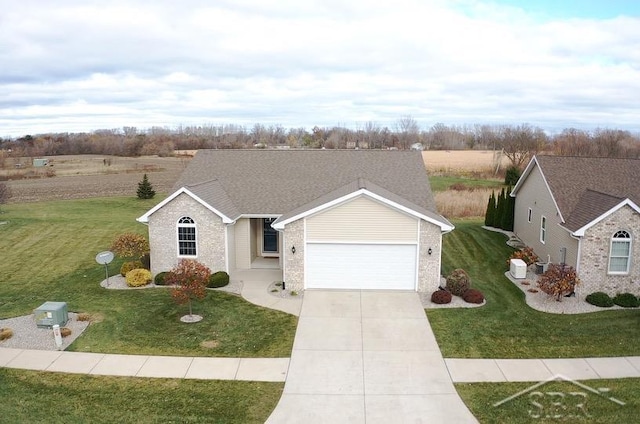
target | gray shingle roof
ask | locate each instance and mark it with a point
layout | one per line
(584, 188)
(241, 182)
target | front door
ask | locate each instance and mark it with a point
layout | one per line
(269, 238)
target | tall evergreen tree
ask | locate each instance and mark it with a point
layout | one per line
(145, 189)
(491, 208)
(499, 210)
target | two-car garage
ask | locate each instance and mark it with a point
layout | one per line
(360, 266)
(361, 244)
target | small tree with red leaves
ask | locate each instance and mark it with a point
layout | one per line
(559, 280)
(189, 279)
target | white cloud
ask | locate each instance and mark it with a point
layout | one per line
(84, 65)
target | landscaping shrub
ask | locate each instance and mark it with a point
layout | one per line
(441, 297)
(65, 332)
(138, 277)
(458, 282)
(83, 316)
(5, 333)
(526, 254)
(473, 296)
(160, 278)
(600, 299)
(626, 300)
(218, 279)
(128, 266)
(559, 280)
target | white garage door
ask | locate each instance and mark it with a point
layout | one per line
(360, 266)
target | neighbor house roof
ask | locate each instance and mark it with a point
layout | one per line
(278, 182)
(585, 188)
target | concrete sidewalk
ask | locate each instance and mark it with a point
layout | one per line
(507, 370)
(247, 369)
(366, 357)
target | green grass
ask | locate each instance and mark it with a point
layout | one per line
(442, 183)
(48, 253)
(38, 397)
(481, 397)
(506, 327)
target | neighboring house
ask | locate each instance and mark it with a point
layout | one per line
(583, 212)
(357, 219)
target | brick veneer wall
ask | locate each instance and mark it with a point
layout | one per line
(294, 262)
(429, 265)
(594, 261)
(163, 235)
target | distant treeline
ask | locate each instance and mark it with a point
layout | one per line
(518, 142)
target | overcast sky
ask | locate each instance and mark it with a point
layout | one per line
(81, 65)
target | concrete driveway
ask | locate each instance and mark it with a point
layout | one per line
(367, 357)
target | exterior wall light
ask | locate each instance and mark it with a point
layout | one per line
(429, 251)
(293, 250)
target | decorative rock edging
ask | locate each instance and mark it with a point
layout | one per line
(118, 282)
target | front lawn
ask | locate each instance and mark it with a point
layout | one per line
(506, 327)
(554, 402)
(38, 397)
(48, 254)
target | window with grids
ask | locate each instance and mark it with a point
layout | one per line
(186, 237)
(620, 253)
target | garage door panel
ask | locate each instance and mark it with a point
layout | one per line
(360, 266)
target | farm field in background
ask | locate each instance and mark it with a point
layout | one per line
(84, 176)
(465, 162)
(462, 180)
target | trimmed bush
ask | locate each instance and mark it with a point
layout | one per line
(441, 297)
(626, 300)
(65, 332)
(600, 299)
(128, 266)
(5, 333)
(83, 316)
(458, 282)
(218, 279)
(473, 296)
(526, 254)
(160, 278)
(138, 277)
(559, 280)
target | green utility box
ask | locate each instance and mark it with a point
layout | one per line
(51, 313)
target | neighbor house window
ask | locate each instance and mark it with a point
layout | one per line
(543, 229)
(620, 253)
(529, 215)
(186, 237)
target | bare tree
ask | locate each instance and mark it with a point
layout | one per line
(520, 143)
(408, 131)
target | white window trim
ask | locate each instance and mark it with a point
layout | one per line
(630, 240)
(529, 215)
(178, 225)
(543, 229)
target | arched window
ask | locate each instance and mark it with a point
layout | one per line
(186, 237)
(620, 253)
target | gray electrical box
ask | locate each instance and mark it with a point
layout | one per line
(51, 313)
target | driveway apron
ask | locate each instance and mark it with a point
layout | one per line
(367, 357)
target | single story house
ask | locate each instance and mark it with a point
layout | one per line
(329, 219)
(584, 212)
